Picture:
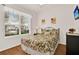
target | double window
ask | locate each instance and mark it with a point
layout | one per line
(16, 22)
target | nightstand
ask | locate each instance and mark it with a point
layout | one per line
(72, 41)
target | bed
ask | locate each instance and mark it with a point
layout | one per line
(44, 43)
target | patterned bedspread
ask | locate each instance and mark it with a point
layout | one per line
(44, 42)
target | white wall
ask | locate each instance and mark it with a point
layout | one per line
(9, 42)
(64, 18)
(63, 14)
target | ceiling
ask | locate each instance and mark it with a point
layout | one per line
(31, 7)
(37, 7)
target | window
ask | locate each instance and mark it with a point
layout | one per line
(13, 20)
(24, 25)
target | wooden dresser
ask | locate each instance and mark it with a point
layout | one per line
(72, 41)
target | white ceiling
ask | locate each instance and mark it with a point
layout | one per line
(37, 7)
(31, 7)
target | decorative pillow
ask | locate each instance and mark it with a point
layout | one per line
(50, 33)
(53, 32)
(47, 33)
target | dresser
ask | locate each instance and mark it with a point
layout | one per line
(72, 47)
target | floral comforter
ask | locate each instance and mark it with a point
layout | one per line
(42, 42)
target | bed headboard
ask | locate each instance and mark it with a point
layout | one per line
(50, 29)
(58, 33)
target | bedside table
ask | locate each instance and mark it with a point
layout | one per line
(72, 41)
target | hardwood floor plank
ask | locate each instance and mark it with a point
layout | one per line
(61, 50)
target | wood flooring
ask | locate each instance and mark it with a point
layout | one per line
(61, 50)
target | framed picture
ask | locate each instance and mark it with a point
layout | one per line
(43, 21)
(53, 20)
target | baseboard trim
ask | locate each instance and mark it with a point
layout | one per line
(62, 43)
(9, 47)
